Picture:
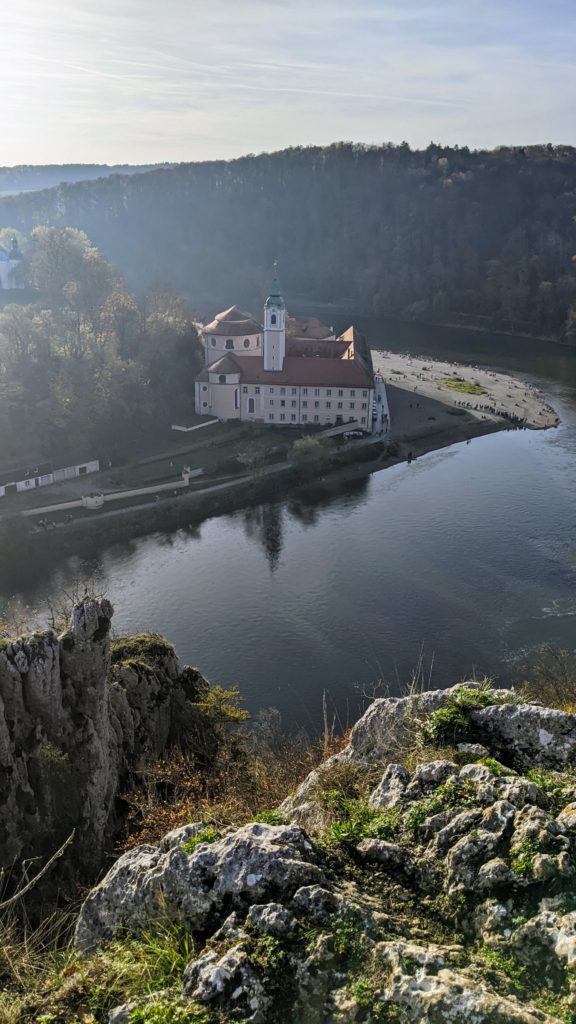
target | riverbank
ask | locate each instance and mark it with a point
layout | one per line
(433, 405)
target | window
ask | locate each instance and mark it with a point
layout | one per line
(271, 416)
(244, 390)
(204, 404)
(364, 405)
(257, 390)
(328, 405)
(273, 319)
(363, 420)
(222, 378)
(352, 404)
(258, 342)
(282, 416)
(316, 419)
(213, 341)
(282, 391)
(317, 392)
(293, 417)
(204, 387)
(352, 393)
(271, 401)
(316, 405)
(364, 394)
(246, 342)
(293, 403)
(294, 391)
(229, 343)
(304, 418)
(340, 393)
(282, 402)
(271, 391)
(304, 391)
(304, 405)
(329, 392)
(339, 405)
(250, 405)
(236, 398)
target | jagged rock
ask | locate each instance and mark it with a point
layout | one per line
(245, 867)
(527, 735)
(390, 856)
(390, 789)
(228, 980)
(73, 729)
(315, 902)
(426, 989)
(271, 918)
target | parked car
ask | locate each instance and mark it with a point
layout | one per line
(350, 434)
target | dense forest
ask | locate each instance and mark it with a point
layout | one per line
(480, 238)
(31, 177)
(85, 369)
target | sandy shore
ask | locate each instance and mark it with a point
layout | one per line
(427, 412)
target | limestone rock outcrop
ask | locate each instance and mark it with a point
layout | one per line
(441, 892)
(77, 717)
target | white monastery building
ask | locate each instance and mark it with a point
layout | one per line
(11, 266)
(257, 374)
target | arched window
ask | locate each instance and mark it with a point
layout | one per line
(229, 343)
(222, 378)
(246, 342)
(250, 405)
(273, 318)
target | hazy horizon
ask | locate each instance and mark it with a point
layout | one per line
(97, 81)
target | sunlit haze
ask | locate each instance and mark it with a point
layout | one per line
(142, 81)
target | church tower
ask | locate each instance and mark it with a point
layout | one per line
(274, 326)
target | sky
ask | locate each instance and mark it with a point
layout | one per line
(142, 81)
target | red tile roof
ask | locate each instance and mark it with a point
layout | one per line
(300, 371)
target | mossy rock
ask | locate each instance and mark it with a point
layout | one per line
(140, 647)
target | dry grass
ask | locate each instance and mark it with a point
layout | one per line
(550, 679)
(252, 775)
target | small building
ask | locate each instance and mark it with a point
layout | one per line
(255, 373)
(14, 481)
(11, 268)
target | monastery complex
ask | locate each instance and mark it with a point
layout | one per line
(256, 373)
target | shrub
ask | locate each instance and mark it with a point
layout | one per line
(447, 726)
(207, 835)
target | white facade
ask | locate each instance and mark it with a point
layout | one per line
(217, 345)
(274, 336)
(284, 404)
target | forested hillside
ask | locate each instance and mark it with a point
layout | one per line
(487, 238)
(85, 369)
(29, 178)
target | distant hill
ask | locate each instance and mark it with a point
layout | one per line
(31, 178)
(485, 238)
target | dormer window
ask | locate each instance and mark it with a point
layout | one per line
(222, 378)
(273, 318)
(229, 343)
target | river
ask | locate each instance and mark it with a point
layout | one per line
(461, 562)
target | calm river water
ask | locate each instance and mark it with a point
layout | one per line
(465, 559)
